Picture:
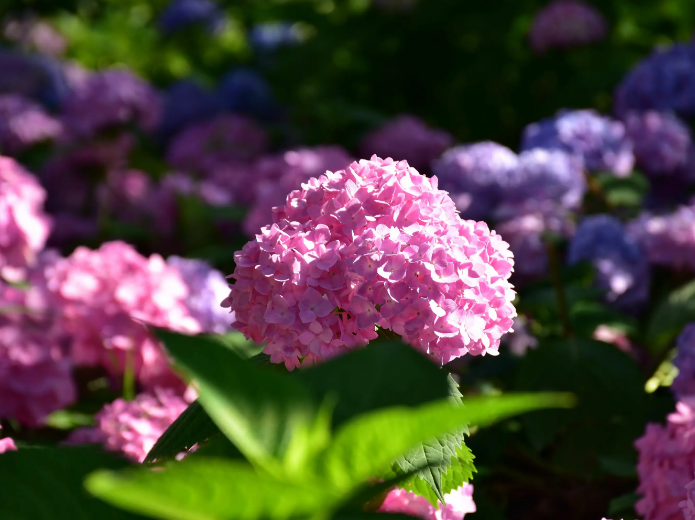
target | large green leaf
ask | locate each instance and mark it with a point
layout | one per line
(211, 489)
(670, 317)
(46, 483)
(367, 445)
(259, 410)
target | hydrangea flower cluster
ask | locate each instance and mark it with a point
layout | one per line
(133, 427)
(7, 444)
(111, 99)
(33, 76)
(666, 464)
(107, 297)
(663, 81)
(35, 366)
(24, 224)
(376, 244)
(282, 173)
(408, 137)
(668, 240)
(684, 383)
(564, 24)
(244, 91)
(23, 124)
(180, 14)
(599, 141)
(32, 34)
(688, 505)
(185, 103)
(662, 143)
(458, 503)
(207, 287)
(621, 266)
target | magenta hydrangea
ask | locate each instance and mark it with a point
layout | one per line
(24, 124)
(666, 464)
(684, 383)
(407, 137)
(109, 99)
(108, 296)
(669, 239)
(688, 505)
(374, 245)
(7, 444)
(35, 365)
(282, 173)
(24, 227)
(564, 24)
(133, 427)
(458, 503)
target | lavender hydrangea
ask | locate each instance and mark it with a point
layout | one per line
(684, 383)
(180, 14)
(622, 268)
(207, 288)
(599, 141)
(663, 81)
(663, 144)
(564, 24)
(110, 99)
(186, 103)
(476, 176)
(23, 124)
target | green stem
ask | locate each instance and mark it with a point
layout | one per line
(129, 376)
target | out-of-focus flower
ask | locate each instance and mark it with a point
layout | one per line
(207, 288)
(669, 239)
(112, 98)
(458, 503)
(33, 76)
(186, 103)
(663, 81)
(614, 336)
(477, 176)
(244, 91)
(273, 35)
(409, 138)
(666, 464)
(662, 143)
(35, 367)
(108, 296)
(180, 14)
(688, 505)
(133, 427)
(564, 24)
(520, 340)
(376, 244)
(32, 34)
(684, 383)
(224, 139)
(23, 124)
(280, 174)
(621, 266)
(7, 444)
(599, 141)
(24, 225)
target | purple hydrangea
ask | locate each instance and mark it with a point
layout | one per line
(244, 91)
(110, 99)
(407, 138)
(622, 268)
(668, 239)
(33, 76)
(476, 176)
(520, 340)
(180, 14)
(207, 288)
(599, 141)
(564, 24)
(23, 124)
(662, 143)
(186, 103)
(684, 383)
(663, 81)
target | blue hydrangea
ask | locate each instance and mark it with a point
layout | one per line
(186, 103)
(663, 81)
(33, 76)
(244, 91)
(684, 383)
(266, 37)
(180, 14)
(476, 176)
(622, 268)
(599, 141)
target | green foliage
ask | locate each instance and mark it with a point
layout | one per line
(670, 316)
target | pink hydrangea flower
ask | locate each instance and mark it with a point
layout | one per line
(24, 226)
(407, 137)
(7, 444)
(688, 505)
(282, 173)
(24, 123)
(108, 296)
(376, 244)
(666, 463)
(458, 503)
(564, 24)
(35, 367)
(133, 427)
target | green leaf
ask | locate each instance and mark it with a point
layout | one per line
(192, 426)
(210, 489)
(259, 410)
(367, 445)
(46, 483)
(670, 316)
(623, 504)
